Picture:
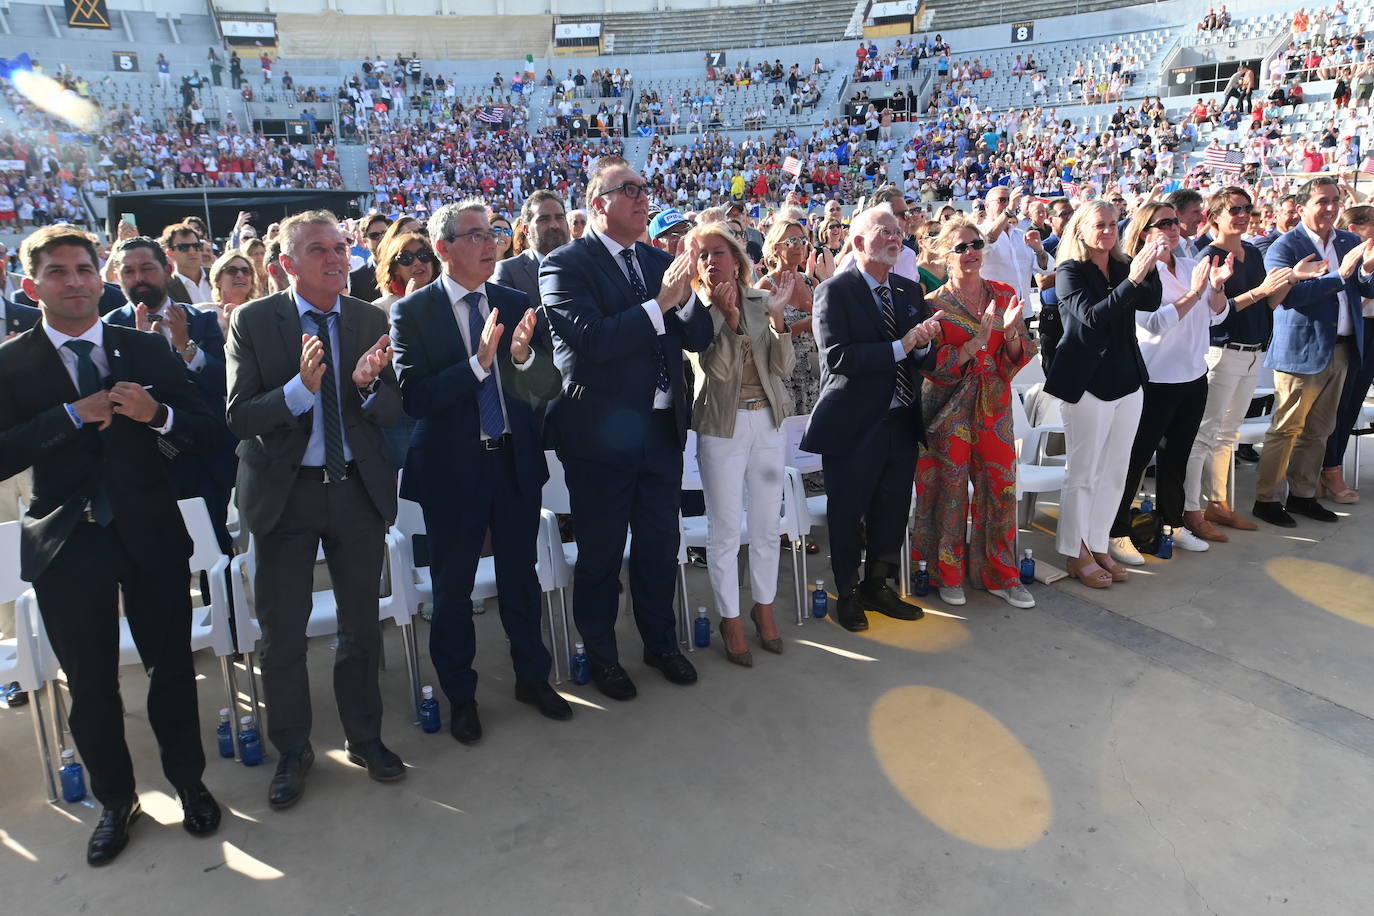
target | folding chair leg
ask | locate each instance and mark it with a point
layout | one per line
(40, 736)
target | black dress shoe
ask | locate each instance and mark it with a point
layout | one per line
(200, 811)
(1273, 513)
(111, 833)
(464, 724)
(674, 665)
(544, 698)
(613, 681)
(878, 596)
(288, 783)
(849, 613)
(1310, 508)
(382, 765)
(1247, 453)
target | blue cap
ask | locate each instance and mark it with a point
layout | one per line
(665, 220)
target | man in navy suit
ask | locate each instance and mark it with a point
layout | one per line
(476, 458)
(621, 313)
(874, 332)
(195, 337)
(1318, 332)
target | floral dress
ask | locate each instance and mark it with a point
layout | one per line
(968, 420)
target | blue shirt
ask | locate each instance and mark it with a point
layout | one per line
(299, 398)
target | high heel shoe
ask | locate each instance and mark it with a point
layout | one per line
(1077, 570)
(1111, 568)
(773, 645)
(744, 659)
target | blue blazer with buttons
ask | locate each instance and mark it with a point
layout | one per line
(1305, 324)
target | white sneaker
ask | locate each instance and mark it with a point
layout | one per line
(953, 596)
(1017, 596)
(1123, 551)
(1186, 540)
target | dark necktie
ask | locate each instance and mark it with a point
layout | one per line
(87, 384)
(637, 284)
(905, 393)
(334, 463)
(488, 396)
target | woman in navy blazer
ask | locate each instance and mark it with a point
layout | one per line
(1098, 372)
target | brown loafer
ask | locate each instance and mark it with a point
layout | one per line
(1222, 514)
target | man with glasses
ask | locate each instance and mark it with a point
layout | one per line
(190, 281)
(546, 231)
(874, 330)
(475, 374)
(362, 282)
(622, 313)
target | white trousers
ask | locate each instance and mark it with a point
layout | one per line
(1231, 379)
(1097, 439)
(753, 458)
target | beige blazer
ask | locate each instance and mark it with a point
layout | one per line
(719, 368)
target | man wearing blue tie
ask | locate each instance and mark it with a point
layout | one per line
(621, 313)
(476, 459)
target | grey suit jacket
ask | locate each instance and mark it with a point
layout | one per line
(520, 272)
(262, 354)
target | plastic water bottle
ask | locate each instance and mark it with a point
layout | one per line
(73, 777)
(225, 733)
(430, 721)
(1165, 550)
(250, 745)
(581, 666)
(1147, 505)
(921, 586)
(820, 600)
(1027, 568)
(701, 629)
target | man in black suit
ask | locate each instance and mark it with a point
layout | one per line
(621, 313)
(477, 458)
(310, 386)
(194, 336)
(547, 228)
(874, 332)
(88, 406)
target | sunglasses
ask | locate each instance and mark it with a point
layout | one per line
(407, 258)
(965, 247)
(1166, 223)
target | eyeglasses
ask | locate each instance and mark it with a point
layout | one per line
(1241, 208)
(236, 271)
(185, 247)
(1166, 223)
(631, 189)
(965, 247)
(407, 258)
(478, 236)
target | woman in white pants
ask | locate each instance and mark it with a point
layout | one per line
(1098, 372)
(740, 405)
(1233, 362)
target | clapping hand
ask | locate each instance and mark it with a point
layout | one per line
(1309, 268)
(373, 361)
(520, 340)
(312, 362)
(491, 336)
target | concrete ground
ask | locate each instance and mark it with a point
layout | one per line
(1196, 741)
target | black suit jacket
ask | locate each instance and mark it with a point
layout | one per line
(439, 389)
(1098, 352)
(604, 346)
(70, 464)
(19, 317)
(858, 370)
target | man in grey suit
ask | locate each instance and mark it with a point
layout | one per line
(547, 228)
(312, 468)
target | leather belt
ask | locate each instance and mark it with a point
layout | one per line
(1243, 347)
(754, 404)
(500, 442)
(321, 475)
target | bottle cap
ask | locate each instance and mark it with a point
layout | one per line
(224, 713)
(427, 692)
(246, 721)
(68, 755)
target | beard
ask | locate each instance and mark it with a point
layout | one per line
(146, 294)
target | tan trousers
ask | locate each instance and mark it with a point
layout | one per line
(1304, 415)
(11, 491)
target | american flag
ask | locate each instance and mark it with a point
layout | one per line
(491, 114)
(1227, 160)
(792, 166)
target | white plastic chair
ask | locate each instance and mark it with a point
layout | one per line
(21, 658)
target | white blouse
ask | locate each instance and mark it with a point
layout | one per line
(1175, 349)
